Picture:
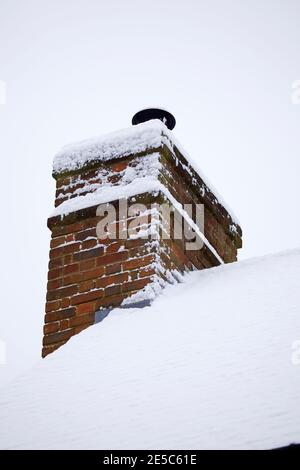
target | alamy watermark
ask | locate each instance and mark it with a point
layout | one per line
(3, 355)
(295, 356)
(295, 92)
(2, 92)
(157, 221)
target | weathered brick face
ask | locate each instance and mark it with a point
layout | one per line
(88, 274)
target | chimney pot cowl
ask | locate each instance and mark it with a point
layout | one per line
(155, 113)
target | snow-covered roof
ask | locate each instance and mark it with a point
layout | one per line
(209, 365)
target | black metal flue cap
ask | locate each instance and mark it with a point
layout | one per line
(154, 113)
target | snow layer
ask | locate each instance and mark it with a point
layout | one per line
(145, 136)
(134, 188)
(208, 365)
(118, 144)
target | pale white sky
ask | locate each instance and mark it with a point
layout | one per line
(79, 68)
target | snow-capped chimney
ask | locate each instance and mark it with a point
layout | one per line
(131, 215)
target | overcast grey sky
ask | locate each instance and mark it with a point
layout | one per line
(79, 68)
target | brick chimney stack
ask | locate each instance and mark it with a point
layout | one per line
(120, 183)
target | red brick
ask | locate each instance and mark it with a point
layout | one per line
(113, 179)
(92, 274)
(68, 259)
(50, 349)
(113, 268)
(115, 247)
(59, 193)
(72, 279)
(57, 337)
(62, 292)
(138, 262)
(89, 244)
(106, 281)
(54, 273)
(54, 284)
(51, 306)
(112, 290)
(73, 247)
(55, 242)
(70, 237)
(146, 272)
(71, 228)
(112, 258)
(64, 181)
(81, 298)
(111, 301)
(88, 264)
(65, 302)
(119, 166)
(58, 230)
(139, 252)
(64, 325)
(134, 243)
(55, 263)
(51, 328)
(86, 286)
(60, 314)
(82, 255)
(88, 307)
(59, 201)
(71, 269)
(142, 272)
(135, 285)
(56, 252)
(81, 236)
(82, 319)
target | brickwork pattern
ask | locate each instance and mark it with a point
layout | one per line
(87, 274)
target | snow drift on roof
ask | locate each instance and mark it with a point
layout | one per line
(209, 365)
